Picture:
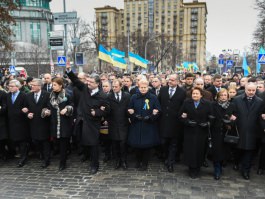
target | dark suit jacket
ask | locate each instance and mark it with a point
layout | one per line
(17, 120)
(169, 123)
(39, 127)
(248, 116)
(118, 116)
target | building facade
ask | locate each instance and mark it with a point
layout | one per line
(182, 24)
(33, 22)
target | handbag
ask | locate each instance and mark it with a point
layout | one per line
(231, 139)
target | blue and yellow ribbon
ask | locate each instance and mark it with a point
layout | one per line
(146, 106)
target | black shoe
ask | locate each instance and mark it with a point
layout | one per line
(106, 159)
(236, 167)
(205, 163)
(245, 175)
(217, 176)
(260, 171)
(170, 169)
(62, 167)
(83, 158)
(137, 165)
(45, 165)
(193, 175)
(124, 165)
(117, 165)
(143, 168)
(93, 171)
(21, 164)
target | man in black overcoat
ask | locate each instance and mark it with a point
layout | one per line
(248, 113)
(171, 99)
(36, 103)
(118, 123)
(3, 124)
(17, 120)
(93, 105)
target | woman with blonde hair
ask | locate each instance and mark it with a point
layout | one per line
(223, 112)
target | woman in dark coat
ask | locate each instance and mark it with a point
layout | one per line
(61, 109)
(144, 109)
(222, 111)
(195, 116)
(3, 123)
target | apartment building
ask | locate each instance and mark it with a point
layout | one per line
(183, 24)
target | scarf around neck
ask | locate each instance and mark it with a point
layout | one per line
(224, 105)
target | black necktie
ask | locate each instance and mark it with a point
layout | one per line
(117, 97)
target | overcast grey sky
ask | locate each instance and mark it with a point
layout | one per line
(230, 23)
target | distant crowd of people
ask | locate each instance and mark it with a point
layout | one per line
(189, 118)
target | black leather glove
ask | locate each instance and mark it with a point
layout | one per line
(191, 123)
(203, 124)
(146, 118)
(139, 117)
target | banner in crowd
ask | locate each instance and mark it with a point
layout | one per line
(190, 66)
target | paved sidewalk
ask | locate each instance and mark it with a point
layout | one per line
(75, 182)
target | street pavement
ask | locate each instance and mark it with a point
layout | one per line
(75, 182)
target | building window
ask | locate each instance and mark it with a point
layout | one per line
(17, 31)
(35, 33)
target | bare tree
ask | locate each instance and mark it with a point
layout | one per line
(259, 33)
(6, 21)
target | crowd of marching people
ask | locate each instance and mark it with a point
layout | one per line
(190, 118)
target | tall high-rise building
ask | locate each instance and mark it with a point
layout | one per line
(181, 24)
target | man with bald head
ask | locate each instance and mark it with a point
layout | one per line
(248, 109)
(47, 86)
(171, 98)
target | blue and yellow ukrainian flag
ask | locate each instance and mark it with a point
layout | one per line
(104, 55)
(117, 53)
(245, 66)
(138, 60)
(119, 62)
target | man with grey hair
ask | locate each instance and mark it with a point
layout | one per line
(171, 98)
(17, 120)
(36, 104)
(200, 84)
(248, 113)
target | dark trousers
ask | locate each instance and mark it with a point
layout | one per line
(119, 149)
(63, 146)
(262, 157)
(23, 149)
(170, 148)
(94, 155)
(3, 151)
(107, 147)
(142, 156)
(244, 158)
(44, 148)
